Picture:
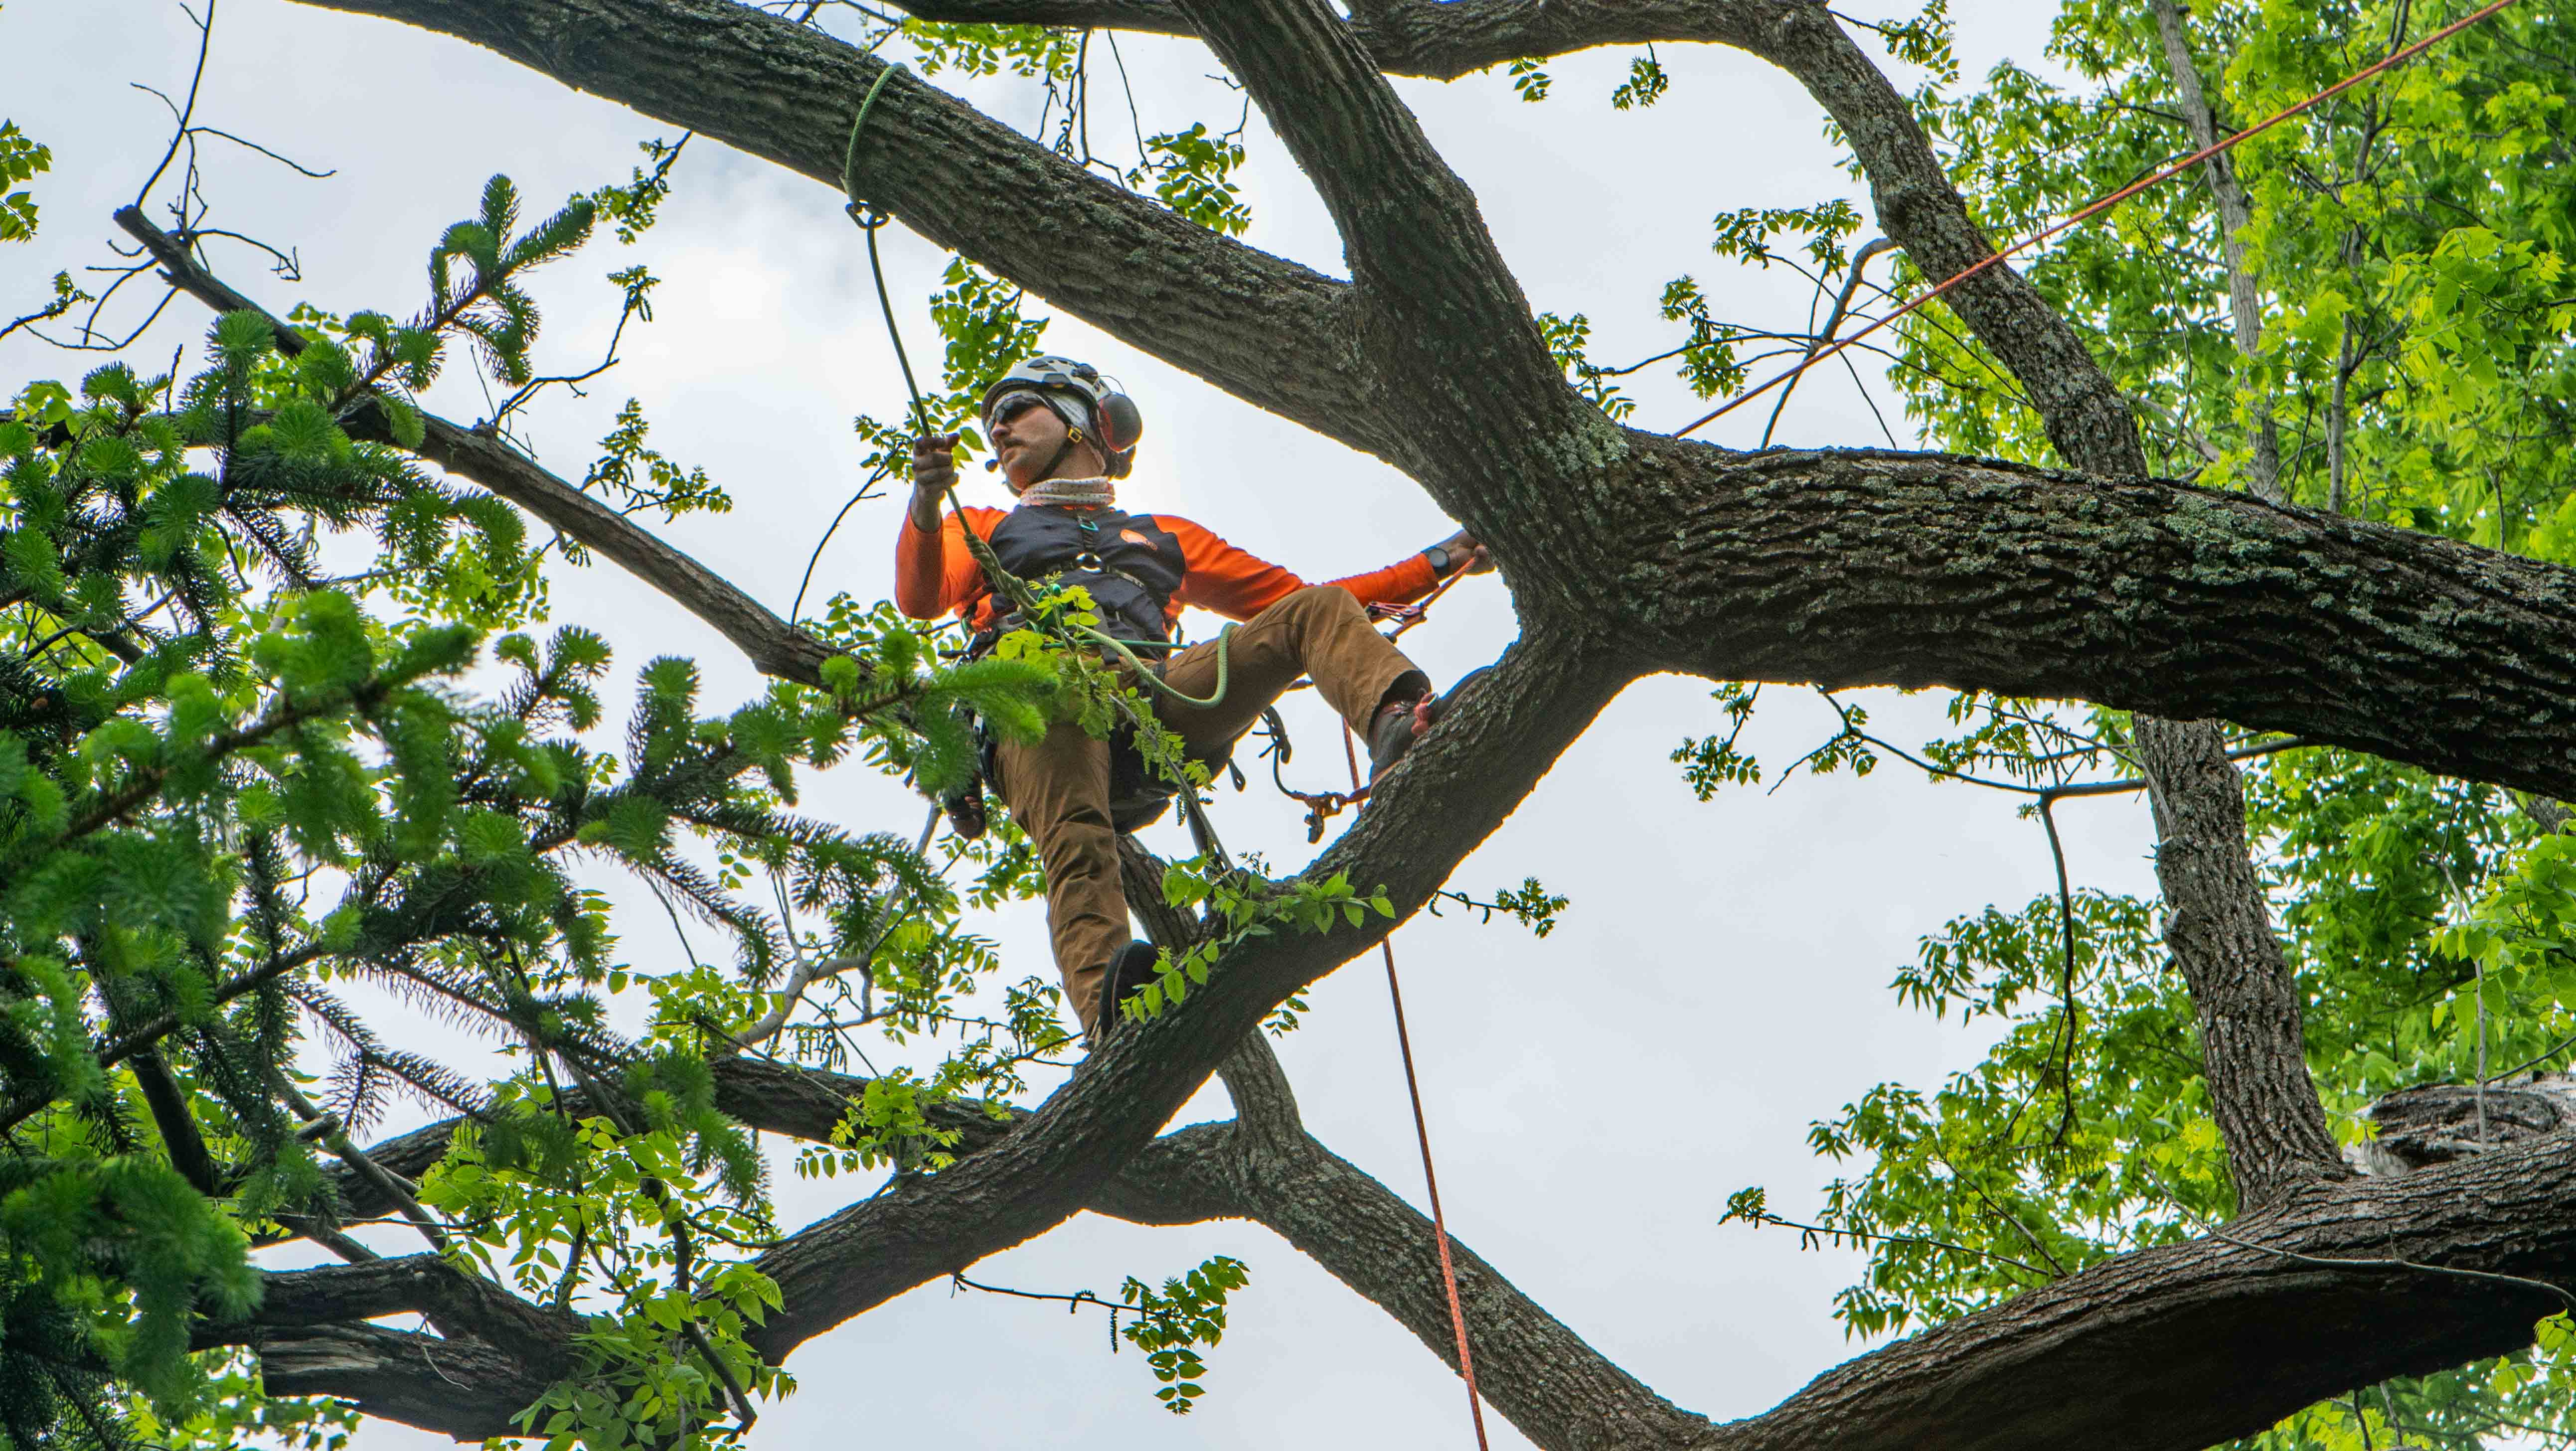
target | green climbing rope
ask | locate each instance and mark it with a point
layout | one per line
(850, 153)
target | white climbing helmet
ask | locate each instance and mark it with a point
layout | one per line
(1092, 407)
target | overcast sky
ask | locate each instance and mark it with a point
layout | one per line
(1721, 978)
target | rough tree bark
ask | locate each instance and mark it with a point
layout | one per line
(1838, 568)
(2250, 1038)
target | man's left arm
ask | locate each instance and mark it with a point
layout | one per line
(1239, 584)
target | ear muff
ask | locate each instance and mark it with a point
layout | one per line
(1121, 423)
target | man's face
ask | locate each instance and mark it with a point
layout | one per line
(1027, 434)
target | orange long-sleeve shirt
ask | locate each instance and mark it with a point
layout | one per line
(933, 573)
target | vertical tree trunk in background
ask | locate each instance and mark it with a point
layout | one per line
(2244, 304)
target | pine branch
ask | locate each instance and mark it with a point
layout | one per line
(773, 645)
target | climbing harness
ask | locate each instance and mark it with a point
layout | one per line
(2166, 173)
(1011, 588)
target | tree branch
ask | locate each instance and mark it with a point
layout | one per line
(463, 1388)
(1262, 328)
(2442, 1122)
(1846, 569)
(2250, 1028)
(2244, 300)
(1438, 39)
(1454, 326)
(2184, 1346)
(180, 1137)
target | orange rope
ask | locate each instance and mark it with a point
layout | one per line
(2105, 204)
(1431, 1180)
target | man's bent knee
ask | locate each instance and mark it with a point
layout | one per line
(1324, 597)
(1317, 601)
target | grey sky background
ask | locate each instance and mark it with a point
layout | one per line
(1721, 978)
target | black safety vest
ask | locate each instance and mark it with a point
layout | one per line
(1131, 565)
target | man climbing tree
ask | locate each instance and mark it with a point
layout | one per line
(1061, 437)
(275, 723)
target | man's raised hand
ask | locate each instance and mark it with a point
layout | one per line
(1466, 554)
(934, 463)
(934, 473)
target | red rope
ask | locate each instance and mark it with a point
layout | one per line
(2105, 204)
(1422, 1134)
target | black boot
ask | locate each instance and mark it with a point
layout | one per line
(1392, 733)
(1127, 973)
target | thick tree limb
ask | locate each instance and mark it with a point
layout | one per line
(1264, 329)
(1448, 322)
(799, 1103)
(1438, 39)
(2441, 1122)
(460, 1304)
(460, 1387)
(1849, 568)
(2180, 1347)
(2250, 1027)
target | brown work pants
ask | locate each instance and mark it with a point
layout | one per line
(1058, 788)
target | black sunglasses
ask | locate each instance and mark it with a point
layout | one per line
(1011, 405)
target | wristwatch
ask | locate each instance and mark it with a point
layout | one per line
(1438, 554)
